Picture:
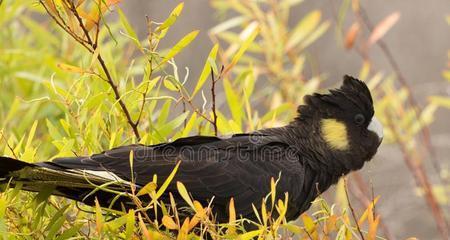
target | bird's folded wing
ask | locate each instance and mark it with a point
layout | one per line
(240, 167)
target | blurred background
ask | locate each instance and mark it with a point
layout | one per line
(419, 43)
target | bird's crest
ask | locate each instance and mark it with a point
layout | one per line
(353, 94)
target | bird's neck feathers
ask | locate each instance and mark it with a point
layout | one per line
(324, 146)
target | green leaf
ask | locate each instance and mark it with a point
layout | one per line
(170, 127)
(184, 42)
(56, 222)
(53, 131)
(130, 31)
(170, 20)
(184, 194)
(31, 134)
(234, 102)
(115, 224)
(164, 113)
(189, 125)
(169, 85)
(129, 229)
(70, 232)
(166, 183)
(206, 69)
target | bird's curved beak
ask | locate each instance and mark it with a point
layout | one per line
(376, 127)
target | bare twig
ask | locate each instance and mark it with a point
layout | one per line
(352, 210)
(7, 144)
(421, 179)
(411, 99)
(419, 173)
(92, 47)
(213, 106)
(60, 22)
(360, 192)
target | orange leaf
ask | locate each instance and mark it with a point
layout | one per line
(98, 217)
(169, 223)
(351, 35)
(112, 2)
(143, 228)
(368, 212)
(330, 225)
(91, 19)
(70, 68)
(383, 27)
(51, 6)
(372, 234)
(182, 234)
(232, 220)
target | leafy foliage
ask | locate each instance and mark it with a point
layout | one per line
(77, 83)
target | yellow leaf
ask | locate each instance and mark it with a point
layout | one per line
(309, 223)
(373, 226)
(166, 183)
(169, 85)
(91, 19)
(206, 69)
(98, 217)
(171, 19)
(368, 211)
(200, 213)
(182, 234)
(250, 235)
(51, 6)
(143, 228)
(248, 35)
(383, 27)
(293, 228)
(184, 194)
(272, 190)
(169, 223)
(232, 219)
(264, 212)
(70, 68)
(185, 41)
(440, 101)
(303, 28)
(131, 160)
(364, 70)
(147, 189)
(112, 2)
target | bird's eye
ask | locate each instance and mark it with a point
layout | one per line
(359, 119)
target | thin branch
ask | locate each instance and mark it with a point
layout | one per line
(359, 191)
(411, 99)
(352, 210)
(213, 106)
(421, 179)
(64, 26)
(92, 47)
(7, 144)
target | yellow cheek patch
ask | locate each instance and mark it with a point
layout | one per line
(334, 133)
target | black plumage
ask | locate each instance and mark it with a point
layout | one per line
(240, 166)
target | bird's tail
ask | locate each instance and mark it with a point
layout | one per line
(71, 183)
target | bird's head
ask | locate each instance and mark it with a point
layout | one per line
(344, 123)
